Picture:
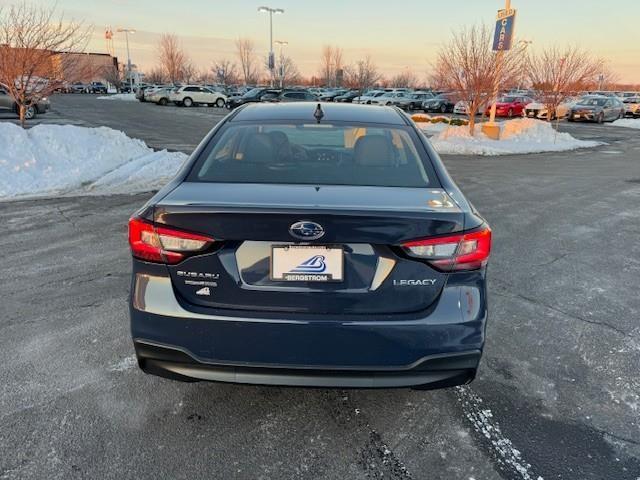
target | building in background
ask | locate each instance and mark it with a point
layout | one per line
(86, 67)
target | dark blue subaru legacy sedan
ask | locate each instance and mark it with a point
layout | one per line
(311, 245)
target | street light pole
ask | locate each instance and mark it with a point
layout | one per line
(127, 31)
(525, 44)
(282, 44)
(271, 12)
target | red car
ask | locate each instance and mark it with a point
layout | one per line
(510, 106)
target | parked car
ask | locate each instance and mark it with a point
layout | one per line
(98, 87)
(293, 96)
(632, 107)
(160, 96)
(388, 98)
(280, 255)
(8, 104)
(624, 95)
(538, 109)
(443, 103)
(330, 95)
(366, 98)
(412, 101)
(141, 90)
(190, 95)
(509, 106)
(252, 96)
(597, 109)
(347, 97)
(79, 87)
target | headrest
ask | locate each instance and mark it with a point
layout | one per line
(374, 151)
(259, 149)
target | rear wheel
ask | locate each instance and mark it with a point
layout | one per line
(443, 109)
(600, 118)
(219, 103)
(163, 102)
(30, 112)
(510, 113)
(187, 102)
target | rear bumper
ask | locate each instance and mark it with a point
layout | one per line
(436, 371)
(434, 350)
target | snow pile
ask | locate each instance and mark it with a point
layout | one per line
(523, 135)
(433, 128)
(627, 122)
(50, 159)
(123, 97)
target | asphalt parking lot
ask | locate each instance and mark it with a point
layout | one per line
(557, 396)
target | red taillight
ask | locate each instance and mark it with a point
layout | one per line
(161, 244)
(465, 251)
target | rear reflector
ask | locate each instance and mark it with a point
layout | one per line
(161, 244)
(465, 251)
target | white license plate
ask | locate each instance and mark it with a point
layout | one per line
(576, 116)
(307, 263)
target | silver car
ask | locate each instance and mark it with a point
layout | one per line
(8, 104)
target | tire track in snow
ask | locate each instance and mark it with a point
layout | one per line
(501, 447)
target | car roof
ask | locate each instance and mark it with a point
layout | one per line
(301, 111)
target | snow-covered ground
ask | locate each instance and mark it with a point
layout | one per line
(50, 159)
(627, 122)
(123, 97)
(523, 135)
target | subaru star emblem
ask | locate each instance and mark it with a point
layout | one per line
(305, 230)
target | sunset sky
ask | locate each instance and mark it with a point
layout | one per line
(398, 35)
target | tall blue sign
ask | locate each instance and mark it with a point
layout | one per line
(505, 24)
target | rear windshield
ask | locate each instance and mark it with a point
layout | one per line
(593, 101)
(315, 154)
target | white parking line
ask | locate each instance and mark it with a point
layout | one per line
(483, 422)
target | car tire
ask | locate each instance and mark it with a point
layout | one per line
(30, 113)
(600, 118)
(510, 113)
(443, 109)
(163, 102)
(187, 102)
(219, 103)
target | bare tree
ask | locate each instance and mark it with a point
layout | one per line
(113, 76)
(156, 75)
(606, 79)
(338, 66)
(226, 71)
(405, 79)
(363, 75)
(172, 58)
(189, 71)
(327, 72)
(287, 71)
(331, 64)
(247, 56)
(467, 66)
(559, 73)
(39, 50)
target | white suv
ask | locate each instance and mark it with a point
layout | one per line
(190, 95)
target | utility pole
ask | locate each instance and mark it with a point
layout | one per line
(126, 32)
(282, 44)
(271, 12)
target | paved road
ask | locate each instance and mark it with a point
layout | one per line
(557, 397)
